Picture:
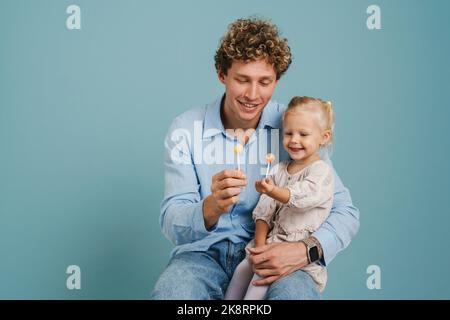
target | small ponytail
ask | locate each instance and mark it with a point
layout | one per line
(328, 108)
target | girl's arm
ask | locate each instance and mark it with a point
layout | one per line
(280, 194)
(261, 232)
(268, 187)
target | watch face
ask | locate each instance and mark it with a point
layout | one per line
(314, 254)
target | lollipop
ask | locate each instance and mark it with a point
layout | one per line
(238, 150)
(269, 158)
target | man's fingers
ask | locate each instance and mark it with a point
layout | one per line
(258, 250)
(264, 273)
(229, 192)
(260, 255)
(227, 203)
(230, 173)
(263, 265)
(265, 281)
(231, 182)
(228, 178)
(260, 258)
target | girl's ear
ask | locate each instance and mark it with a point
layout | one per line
(326, 137)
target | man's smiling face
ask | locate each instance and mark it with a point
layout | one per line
(249, 87)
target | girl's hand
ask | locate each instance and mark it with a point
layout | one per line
(264, 185)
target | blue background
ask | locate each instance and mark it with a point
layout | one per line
(83, 114)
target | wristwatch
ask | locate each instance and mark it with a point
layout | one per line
(312, 251)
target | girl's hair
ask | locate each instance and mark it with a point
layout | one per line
(323, 109)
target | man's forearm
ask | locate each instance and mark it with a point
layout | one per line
(211, 212)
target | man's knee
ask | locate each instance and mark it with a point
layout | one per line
(188, 276)
(296, 286)
(187, 288)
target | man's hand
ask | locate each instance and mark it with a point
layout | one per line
(276, 260)
(264, 185)
(225, 189)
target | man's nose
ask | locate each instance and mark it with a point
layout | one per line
(252, 92)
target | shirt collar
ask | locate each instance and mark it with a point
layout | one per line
(213, 122)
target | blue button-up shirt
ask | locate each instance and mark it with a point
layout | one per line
(197, 147)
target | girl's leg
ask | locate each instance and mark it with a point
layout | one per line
(240, 280)
(256, 292)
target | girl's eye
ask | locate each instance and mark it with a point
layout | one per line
(288, 134)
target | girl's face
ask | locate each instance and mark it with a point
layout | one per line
(303, 135)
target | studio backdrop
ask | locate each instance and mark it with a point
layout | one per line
(88, 90)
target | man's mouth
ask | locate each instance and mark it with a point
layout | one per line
(248, 106)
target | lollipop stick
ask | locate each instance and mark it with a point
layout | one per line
(237, 150)
(269, 158)
(267, 171)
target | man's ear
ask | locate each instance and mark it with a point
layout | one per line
(221, 76)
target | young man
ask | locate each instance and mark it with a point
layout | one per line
(208, 203)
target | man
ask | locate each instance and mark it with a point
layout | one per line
(206, 211)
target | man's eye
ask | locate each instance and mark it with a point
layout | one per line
(241, 80)
(265, 84)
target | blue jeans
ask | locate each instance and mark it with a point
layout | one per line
(206, 275)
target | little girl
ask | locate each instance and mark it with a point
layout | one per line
(298, 196)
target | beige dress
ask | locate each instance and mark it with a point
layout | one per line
(311, 197)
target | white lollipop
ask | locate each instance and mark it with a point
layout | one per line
(269, 158)
(238, 150)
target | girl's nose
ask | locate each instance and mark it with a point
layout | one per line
(295, 139)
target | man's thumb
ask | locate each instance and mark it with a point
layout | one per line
(257, 250)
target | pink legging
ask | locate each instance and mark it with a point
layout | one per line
(241, 287)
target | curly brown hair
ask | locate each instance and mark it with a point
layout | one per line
(253, 39)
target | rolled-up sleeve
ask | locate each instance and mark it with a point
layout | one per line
(341, 225)
(181, 216)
